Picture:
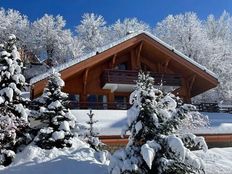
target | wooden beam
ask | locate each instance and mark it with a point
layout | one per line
(113, 62)
(187, 96)
(166, 65)
(192, 80)
(110, 97)
(150, 64)
(32, 92)
(132, 59)
(138, 62)
(158, 67)
(177, 91)
(85, 78)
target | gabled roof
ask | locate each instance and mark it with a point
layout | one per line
(111, 45)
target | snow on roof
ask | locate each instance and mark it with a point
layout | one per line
(112, 44)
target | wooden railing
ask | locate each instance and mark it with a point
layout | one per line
(202, 107)
(130, 77)
(213, 107)
(212, 140)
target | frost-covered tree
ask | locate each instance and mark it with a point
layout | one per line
(57, 118)
(219, 53)
(154, 145)
(12, 22)
(92, 134)
(14, 123)
(219, 32)
(219, 28)
(50, 40)
(186, 33)
(127, 26)
(76, 48)
(92, 31)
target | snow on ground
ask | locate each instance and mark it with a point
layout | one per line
(111, 122)
(219, 123)
(82, 160)
(217, 160)
(78, 159)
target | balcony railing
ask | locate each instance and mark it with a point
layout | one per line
(130, 77)
(213, 107)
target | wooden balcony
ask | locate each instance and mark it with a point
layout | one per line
(129, 77)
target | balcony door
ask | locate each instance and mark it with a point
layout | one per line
(74, 100)
(97, 101)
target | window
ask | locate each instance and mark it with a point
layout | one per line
(97, 101)
(121, 102)
(74, 99)
(122, 66)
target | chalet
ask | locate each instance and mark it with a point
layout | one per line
(105, 78)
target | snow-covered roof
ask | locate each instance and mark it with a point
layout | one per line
(112, 44)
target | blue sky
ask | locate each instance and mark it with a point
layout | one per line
(150, 11)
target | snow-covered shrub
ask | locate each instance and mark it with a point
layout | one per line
(193, 121)
(14, 125)
(154, 145)
(57, 118)
(92, 134)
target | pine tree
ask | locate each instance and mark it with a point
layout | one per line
(56, 116)
(14, 124)
(92, 135)
(154, 146)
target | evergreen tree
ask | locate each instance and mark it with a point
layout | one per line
(56, 116)
(92, 135)
(154, 146)
(13, 116)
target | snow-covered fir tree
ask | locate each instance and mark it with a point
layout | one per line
(14, 125)
(154, 146)
(92, 134)
(57, 118)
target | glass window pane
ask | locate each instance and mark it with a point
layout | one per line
(121, 102)
(74, 99)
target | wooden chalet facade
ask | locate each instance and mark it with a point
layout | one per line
(104, 79)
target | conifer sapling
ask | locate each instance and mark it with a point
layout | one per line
(92, 135)
(57, 118)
